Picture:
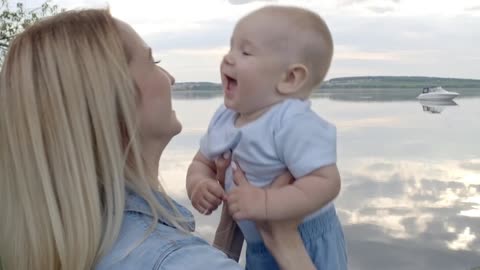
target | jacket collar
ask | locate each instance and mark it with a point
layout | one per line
(135, 203)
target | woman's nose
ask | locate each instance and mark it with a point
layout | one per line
(169, 76)
(172, 79)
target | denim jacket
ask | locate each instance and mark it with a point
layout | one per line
(166, 248)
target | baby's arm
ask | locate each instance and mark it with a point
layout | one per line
(306, 195)
(203, 189)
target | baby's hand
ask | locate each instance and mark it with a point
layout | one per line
(207, 196)
(246, 201)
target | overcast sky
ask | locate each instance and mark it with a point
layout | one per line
(372, 37)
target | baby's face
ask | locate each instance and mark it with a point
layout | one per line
(254, 65)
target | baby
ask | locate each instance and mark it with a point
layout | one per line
(277, 56)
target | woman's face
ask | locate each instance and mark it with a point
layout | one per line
(158, 122)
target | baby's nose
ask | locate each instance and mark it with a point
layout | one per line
(228, 59)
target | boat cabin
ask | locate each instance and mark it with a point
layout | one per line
(432, 89)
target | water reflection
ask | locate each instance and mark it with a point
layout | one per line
(436, 106)
(413, 214)
(410, 183)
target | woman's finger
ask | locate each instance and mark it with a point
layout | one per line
(232, 208)
(232, 196)
(238, 175)
(221, 164)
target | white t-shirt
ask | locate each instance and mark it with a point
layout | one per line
(289, 136)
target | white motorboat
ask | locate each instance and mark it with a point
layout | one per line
(436, 93)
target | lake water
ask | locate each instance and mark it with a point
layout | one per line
(410, 194)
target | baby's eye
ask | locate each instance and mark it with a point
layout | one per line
(156, 62)
(246, 53)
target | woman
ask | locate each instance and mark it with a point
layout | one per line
(85, 116)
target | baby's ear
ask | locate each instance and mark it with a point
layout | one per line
(293, 80)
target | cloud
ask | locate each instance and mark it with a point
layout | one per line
(381, 167)
(463, 240)
(408, 223)
(405, 45)
(402, 43)
(381, 10)
(363, 240)
(352, 2)
(344, 52)
(241, 2)
(392, 34)
(208, 35)
(474, 8)
(471, 165)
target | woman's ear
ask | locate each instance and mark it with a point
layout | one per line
(293, 80)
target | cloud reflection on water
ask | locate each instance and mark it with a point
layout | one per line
(410, 193)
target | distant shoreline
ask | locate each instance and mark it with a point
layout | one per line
(361, 82)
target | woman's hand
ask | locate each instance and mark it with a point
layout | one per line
(246, 201)
(228, 237)
(273, 232)
(281, 236)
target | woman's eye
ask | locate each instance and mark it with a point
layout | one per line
(156, 62)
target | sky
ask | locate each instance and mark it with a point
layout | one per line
(372, 37)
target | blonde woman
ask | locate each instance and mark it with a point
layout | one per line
(85, 114)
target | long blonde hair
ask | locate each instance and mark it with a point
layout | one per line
(68, 146)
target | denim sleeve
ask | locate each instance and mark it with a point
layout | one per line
(198, 257)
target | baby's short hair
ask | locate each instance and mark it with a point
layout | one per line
(312, 42)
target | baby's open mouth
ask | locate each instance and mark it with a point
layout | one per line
(231, 82)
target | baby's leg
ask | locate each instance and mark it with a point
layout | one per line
(259, 258)
(324, 241)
